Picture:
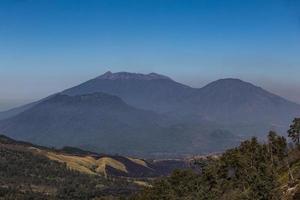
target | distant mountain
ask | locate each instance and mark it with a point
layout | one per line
(98, 121)
(233, 100)
(225, 100)
(105, 123)
(150, 114)
(147, 91)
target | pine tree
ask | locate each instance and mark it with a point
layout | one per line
(294, 131)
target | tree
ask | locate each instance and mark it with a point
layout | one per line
(294, 131)
(277, 148)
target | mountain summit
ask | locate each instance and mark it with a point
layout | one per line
(127, 76)
(235, 101)
(147, 91)
(230, 82)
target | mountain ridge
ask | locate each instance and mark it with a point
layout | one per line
(14, 111)
(132, 113)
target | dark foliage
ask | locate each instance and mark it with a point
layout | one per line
(25, 175)
(250, 171)
(294, 131)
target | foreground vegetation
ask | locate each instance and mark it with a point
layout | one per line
(25, 175)
(252, 171)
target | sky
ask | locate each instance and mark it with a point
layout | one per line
(49, 45)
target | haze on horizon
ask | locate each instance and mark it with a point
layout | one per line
(48, 46)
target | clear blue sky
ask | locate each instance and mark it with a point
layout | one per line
(49, 45)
